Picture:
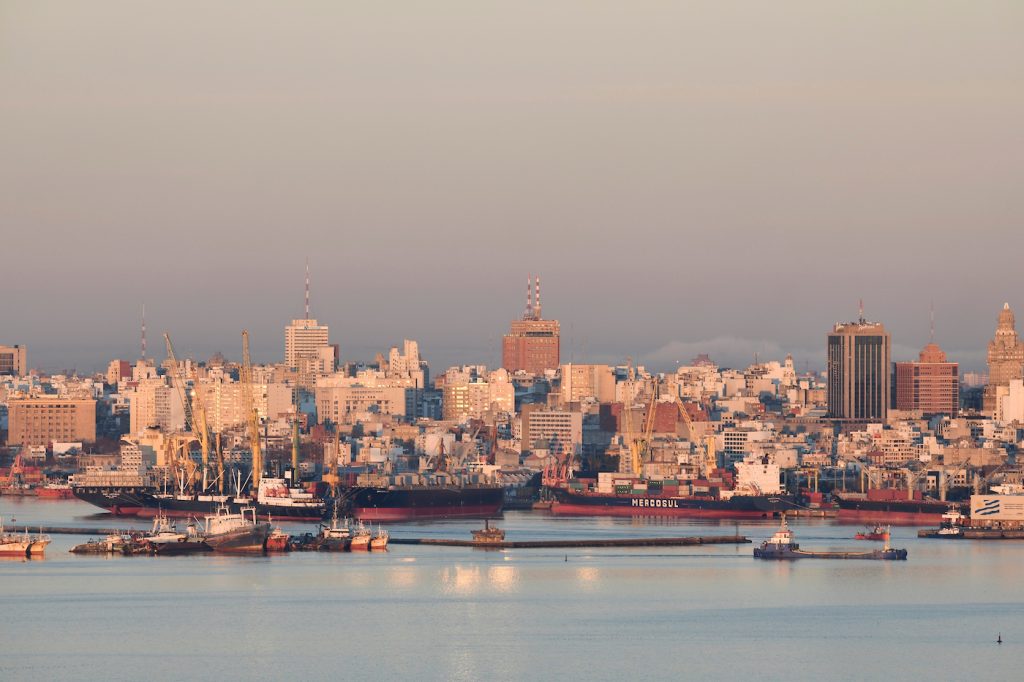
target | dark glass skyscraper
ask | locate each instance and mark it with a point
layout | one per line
(858, 371)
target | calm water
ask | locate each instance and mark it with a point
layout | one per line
(464, 614)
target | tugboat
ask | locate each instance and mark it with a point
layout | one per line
(879, 532)
(278, 541)
(241, 532)
(488, 535)
(781, 545)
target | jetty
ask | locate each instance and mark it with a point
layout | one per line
(576, 544)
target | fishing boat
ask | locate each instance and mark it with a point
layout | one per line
(782, 545)
(241, 532)
(488, 535)
(361, 538)
(380, 540)
(38, 544)
(336, 537)
(878, 532)
(14, 544)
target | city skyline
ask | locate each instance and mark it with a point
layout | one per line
(726, 351)
(721, 179)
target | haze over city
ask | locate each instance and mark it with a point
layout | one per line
(692, 177)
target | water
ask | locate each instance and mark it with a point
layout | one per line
(431, 613)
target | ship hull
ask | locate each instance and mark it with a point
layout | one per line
(15, 548)
(785, 554)
(907, 512)
(243, 540)
(146, 502)
(120, 501)
(738, 507)
(414, 504)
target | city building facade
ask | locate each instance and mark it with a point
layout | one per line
(931, 385)
(858, 357)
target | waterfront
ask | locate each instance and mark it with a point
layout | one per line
(454, 613)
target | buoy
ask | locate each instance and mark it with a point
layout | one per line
(567, 557)
(999, 638)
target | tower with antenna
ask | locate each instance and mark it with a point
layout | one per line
(143, 356)
(533, 344)
(306, 346)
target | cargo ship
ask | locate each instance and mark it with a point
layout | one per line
(782, 546)
(889, 506)
(755, 493)
(396, 502)
(130, 493)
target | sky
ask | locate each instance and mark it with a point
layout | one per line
(720, 177)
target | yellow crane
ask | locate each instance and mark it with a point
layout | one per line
(195, 415)
(253, 415)
(705, 446)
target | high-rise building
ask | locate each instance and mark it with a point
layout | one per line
(1005, 357)
(858, 371)
(304, 339)
(931, 385)
(533, 343)
(48, 419)
(13, 360)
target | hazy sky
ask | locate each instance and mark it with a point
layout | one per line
(726, 177)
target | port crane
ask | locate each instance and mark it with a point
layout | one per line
(252, 419)
(196, 419)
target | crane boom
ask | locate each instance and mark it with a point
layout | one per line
(253, 415)
(195, 410)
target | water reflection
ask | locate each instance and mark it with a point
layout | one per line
(503, 578)
(588, 577)
(461, 580)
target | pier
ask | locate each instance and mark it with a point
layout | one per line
(571, 544)
(508, 544)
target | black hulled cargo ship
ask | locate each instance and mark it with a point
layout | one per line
(128, 493)
(398, 499)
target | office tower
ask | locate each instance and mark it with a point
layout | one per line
(532, 344)
(1005, 357)
(858, 371)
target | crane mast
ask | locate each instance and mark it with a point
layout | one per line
(253, 415)
(195, 413)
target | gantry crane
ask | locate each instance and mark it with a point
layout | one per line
(252, 413)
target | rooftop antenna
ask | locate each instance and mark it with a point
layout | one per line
(307, 287)
(536, 310)
(861, 308)
(143, 331)
(931, 333)
(529, 285)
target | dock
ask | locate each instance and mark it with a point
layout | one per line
(576, 544)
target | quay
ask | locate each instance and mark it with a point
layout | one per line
(570, 544)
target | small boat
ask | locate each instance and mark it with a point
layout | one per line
(278, 541)
(879, 532)
(361, 538)
(952, 523)
(782, 545)
(166, 540)
(115, 543)
(380, 540)
(488, 535)
(336, 537)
